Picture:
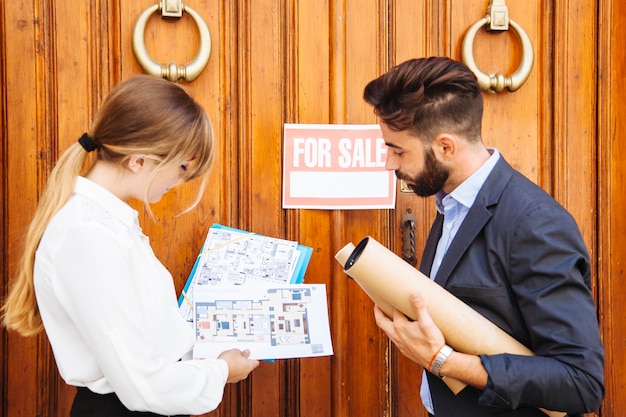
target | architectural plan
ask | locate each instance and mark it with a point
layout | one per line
(236, 258)
(274, 322)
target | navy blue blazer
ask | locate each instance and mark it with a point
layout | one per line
(519, 259)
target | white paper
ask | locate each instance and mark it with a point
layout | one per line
(274, 322)
(232, 257)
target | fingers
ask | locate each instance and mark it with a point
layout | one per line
(382, 321)
(378, 313)
(254, 363)
(239, 364)
(419, 307)
(398, 316)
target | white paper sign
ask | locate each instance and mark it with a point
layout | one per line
(336, 167)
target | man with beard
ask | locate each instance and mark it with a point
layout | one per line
(499, 243)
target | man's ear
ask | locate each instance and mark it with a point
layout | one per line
(135, 163)
(446, 146)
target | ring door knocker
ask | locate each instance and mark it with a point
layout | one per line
(173, 72)
(497, 19)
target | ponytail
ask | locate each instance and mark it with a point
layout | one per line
(20, 311)
(143, 115)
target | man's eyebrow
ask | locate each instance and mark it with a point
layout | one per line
(391, 145)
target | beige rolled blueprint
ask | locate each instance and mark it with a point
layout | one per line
(388, 280)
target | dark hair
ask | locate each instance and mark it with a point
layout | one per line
(428, 96)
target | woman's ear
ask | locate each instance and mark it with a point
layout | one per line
(135, 163)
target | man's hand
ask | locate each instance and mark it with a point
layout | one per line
(418, 340)
(421, 339)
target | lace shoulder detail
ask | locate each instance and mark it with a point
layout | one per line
(97, 213)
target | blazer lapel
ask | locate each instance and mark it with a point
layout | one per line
(476, 218)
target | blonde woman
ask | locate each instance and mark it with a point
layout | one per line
(89, 277)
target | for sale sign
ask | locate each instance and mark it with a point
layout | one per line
(336, 167)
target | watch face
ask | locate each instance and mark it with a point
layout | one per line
(441, 357)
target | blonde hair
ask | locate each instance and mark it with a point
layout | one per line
(143, 115)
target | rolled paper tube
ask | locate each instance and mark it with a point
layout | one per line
(389, 280)
(342, 257)
(344, 253)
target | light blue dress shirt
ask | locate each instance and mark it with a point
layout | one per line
(454, 207)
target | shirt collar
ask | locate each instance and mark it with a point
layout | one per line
(467, 191)
(107, 199)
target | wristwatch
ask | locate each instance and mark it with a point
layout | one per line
(443, 354)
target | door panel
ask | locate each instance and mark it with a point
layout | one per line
(611, 185)
(307, 61)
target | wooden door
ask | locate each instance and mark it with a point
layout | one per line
(307, 61)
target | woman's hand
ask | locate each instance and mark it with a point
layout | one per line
(239, 366)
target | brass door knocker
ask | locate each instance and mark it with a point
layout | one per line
(497, 19)
(173, 72)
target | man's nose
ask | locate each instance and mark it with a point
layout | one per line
(390, 163)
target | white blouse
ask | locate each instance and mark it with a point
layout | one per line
(110, 312)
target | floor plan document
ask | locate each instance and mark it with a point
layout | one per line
(273, 321)
(236, 258)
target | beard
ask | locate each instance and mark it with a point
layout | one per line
(432, 178)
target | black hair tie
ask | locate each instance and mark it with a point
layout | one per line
(87, 143)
